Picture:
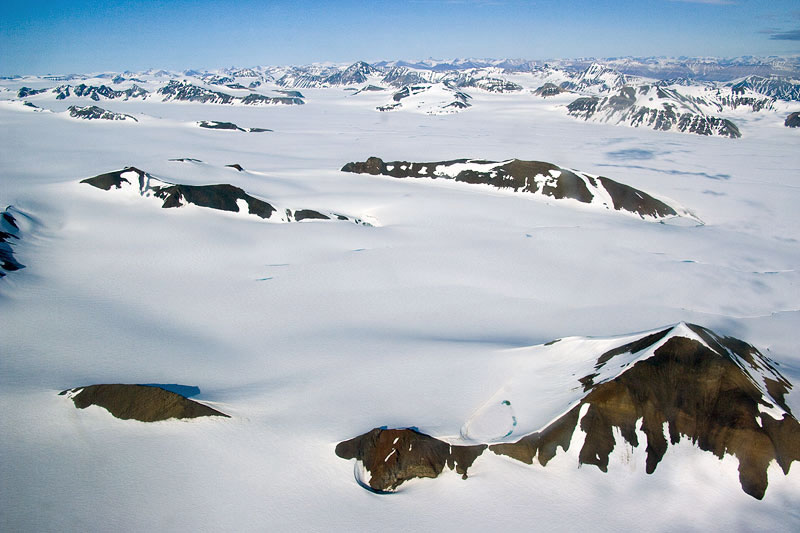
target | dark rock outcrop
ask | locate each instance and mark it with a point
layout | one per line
(223, 196)
(217, 125)
(291, 94)
(701, 389)
(260, 99)
(549, 89)
(186, 160)
(9, 234)
(534, 177)
(303, 214)
(220, 196)
(187, 92)
(97, 113)
(717, 392)
(97, 92)
(393, 456)
(25, 92)
(793, 120)
(145, 403)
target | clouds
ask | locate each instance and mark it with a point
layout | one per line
(791, 35)
(711, 2)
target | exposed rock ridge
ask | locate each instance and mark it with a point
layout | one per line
(145, 403)
(187, 92)
(535, 177)
(394, 456)
(218, 125)
(9, 234)
(668, 111)
(94, 113)
(223, 196)
(719, 393)
(96, 93)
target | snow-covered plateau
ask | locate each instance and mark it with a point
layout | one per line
(197, 232)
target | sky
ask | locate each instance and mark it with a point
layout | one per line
(81, 36)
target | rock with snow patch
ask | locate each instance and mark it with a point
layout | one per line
(10, 234)
(659, 108)
(390, 457)
(146, 403)
(223, 196)
(534, 177)
(549, 89)
(97, 113)
(653, 390)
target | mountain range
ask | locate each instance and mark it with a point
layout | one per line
(698, 96)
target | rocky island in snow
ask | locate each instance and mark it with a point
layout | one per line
(534, 177)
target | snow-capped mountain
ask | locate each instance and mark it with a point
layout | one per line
(663, 109)
(436, 99)
(648, 391)
(597, 78)
(96, 93)
(681, 103)
(778, 87)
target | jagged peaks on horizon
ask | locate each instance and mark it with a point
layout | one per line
(697, 66)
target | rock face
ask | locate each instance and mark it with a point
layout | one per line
(534, 177)
(394, 456)
(9, 233)
(217, 125)
(485, 83)
(655, 107)
(97, 113)
(719, 393)
(145, 403)
(400, 77)
(549, 89)
(793, 120)
(97, 92)
(356, 74)
(598, 78)
(187, 92)
(773, 86)
(260, 99)
(25, 92)
(223, 196)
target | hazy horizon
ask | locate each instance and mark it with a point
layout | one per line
(91, 36)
